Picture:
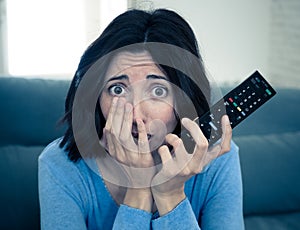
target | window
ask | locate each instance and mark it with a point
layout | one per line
(48, 37)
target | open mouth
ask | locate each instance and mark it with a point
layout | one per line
(135, 135)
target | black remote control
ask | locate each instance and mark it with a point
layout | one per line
(238, 104)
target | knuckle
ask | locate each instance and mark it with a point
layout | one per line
(163, 149)
(229, 129)
(107, 129)
(175, 141)
(186, 171)
(142, 143)
(178, 142)
(203, 144)
(123, 138)
(198, 169)
(225, 149)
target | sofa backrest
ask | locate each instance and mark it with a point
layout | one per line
(30, 108)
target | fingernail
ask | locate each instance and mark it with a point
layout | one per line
(114, 101)
(226, 119)
(139, 122)
(121, 102)
(127, 107)
(184, 120)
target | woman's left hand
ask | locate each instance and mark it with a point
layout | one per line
(178, 166)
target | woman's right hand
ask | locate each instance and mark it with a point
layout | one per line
(132, 156)
(119, 140)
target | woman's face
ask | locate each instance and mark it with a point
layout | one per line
(135, 77)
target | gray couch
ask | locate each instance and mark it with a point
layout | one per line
(269, 142)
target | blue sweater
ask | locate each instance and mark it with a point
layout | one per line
(72, 196)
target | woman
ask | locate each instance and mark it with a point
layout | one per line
(145, 77)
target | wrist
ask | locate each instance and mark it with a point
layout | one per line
(140, 198)
(166, 202)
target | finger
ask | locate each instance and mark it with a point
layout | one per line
(180, 152)
(110, 143)
(143, 142)
(109, 120)
(197, 135)
(125, 134)
(103, 140)
(226, 135)
(116, 125)
(108, 125)
(118, 117)
(164, 154)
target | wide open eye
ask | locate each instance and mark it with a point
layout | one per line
(117, 90)
(159, 91)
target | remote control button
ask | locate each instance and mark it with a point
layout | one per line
(213, 126)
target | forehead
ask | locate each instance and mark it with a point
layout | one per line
(127, 62)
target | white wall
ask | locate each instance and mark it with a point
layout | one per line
(285, 43)
(233, 35)
(3, 37)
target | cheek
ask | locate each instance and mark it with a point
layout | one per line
(167, 116)
(172, 121)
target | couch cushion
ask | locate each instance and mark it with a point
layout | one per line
(30, 110)
(19, 187)
(271, 171)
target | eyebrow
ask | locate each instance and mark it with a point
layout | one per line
(153, 76)
(125, 77)
(121, 77)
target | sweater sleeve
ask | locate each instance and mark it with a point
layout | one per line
(132, 218)
(181, 217)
